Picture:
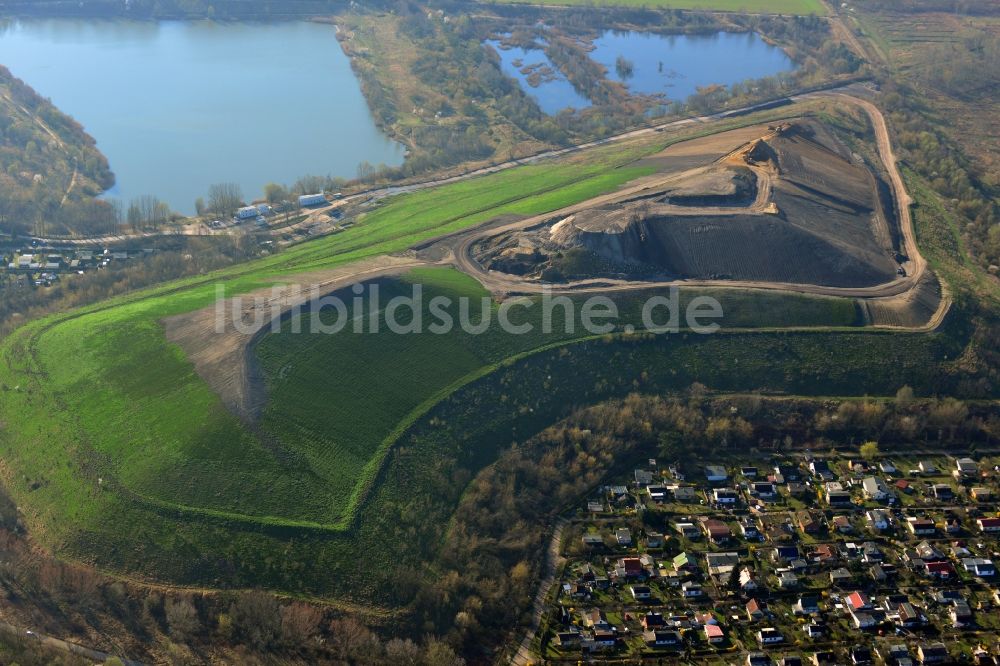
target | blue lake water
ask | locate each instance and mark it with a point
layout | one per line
(554, 92)
(177, 106)
(676, 65)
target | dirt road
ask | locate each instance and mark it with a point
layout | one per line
(62, 646)
(553, 563)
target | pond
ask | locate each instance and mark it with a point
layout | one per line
(675, 66)
(176, 106)
(539, 78)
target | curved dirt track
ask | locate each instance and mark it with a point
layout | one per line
(497, 282)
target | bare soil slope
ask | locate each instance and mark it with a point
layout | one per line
(790, 205)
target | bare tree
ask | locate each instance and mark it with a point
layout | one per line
(224, 198)
(299, 623)
(182, 618)
(256, 619)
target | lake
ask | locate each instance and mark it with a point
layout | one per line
(677, 65)
(539, 78)
(176, 106)
(672, 66)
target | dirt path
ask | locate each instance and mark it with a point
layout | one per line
(554, 562)
(72, 184)
(221, 351)
(61, 645)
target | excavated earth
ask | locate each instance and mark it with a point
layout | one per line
(790, 205)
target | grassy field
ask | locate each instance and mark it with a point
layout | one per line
(802, 7)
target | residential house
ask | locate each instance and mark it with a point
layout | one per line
(860, 655)
(595, 617)
(683, 493)
(661, 638)
(749, 528)
(821, 468)
(988, 525)
(764, 490)
(787, 580)
(593, 541)
(898, 655)
(654, 540)
(716, 530)
(641, 592)
(724, 497)
(824, 657)
(878, 519)
(604, 639)
(787, 472)
(643, 477)
(961, 614)
(758, 659)
(981, 494)
(862, 619)
(808, 522)
(806, 605)
(749, 472)
(755, 610)
(980, 567)
(790, 660)
(921, 526)
(630, 568)
(927, 467)
(721, 564)
(716, 474)
(568, 639)
(691, 590)
(942, 570)
(814, 630)
(688, 530)
(841, 577)
(942, 491)
(822, 553)
(886, 467)
(714, 634)
(858, 600)
(748, 582)
(966, 467)
(769, 636)
(653, 620)
(875, 489)
(685, 562)
(623, 536)
(836, 495)
(785, 553)
(658, 493)
(842, 524)
(870, 552)
(908, 615)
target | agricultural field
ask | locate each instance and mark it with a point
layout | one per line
(800, 7)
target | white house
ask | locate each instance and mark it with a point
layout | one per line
(247, 213)
(875, 489)
(878, 519)
(307, 200)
